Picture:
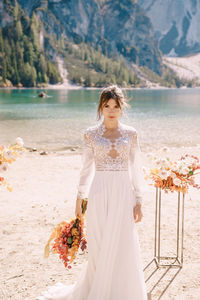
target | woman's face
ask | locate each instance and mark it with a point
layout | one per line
(111, 110)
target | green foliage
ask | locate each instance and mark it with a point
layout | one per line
(90, 67)
(22, 61)
(52, 73)
(29, 75)
(18, 30)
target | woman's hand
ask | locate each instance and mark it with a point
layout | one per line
(138, 212)
(78, 209)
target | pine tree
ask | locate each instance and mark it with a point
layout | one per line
(7, 60)
(18, 31)
(34, 31)
(15, 74)
(19, 55)
(42, 67)
(28, 75)
(16, 10)
(1, 54)
(29, 55)
(87, 81)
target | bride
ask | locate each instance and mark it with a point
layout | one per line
(111, 178)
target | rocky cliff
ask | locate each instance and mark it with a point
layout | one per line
(176, 25)
(118, 26)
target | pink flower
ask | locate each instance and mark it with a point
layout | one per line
(3, 167)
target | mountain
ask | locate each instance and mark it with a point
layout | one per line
(176, 25)
(119, 27)
(99, 41)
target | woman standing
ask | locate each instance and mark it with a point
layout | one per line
(111, 178)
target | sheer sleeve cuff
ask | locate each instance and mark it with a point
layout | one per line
(82, 194)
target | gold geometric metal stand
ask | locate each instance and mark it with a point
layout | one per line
(164, 267)
(172, 261)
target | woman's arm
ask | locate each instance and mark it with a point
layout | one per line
(87, 168)
(86, 174)
(136, 172)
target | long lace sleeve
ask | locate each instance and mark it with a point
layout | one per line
(136, 172)
(87, 168)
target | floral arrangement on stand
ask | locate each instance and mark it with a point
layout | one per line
(173, 175)
(7, 156)
(67, 238)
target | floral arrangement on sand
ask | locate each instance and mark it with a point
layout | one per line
(173, 175)
(67, 238)
(7, 156)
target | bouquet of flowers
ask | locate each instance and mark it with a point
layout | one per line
(7, 156)
(68, 237)
(173, 175)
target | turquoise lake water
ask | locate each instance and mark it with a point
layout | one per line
(168, 117)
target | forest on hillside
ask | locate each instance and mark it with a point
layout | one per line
(22, 60)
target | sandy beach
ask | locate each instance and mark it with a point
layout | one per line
(44, 193)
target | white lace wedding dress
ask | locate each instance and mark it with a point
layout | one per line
(112, 179)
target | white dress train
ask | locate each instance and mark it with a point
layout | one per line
(111, 178)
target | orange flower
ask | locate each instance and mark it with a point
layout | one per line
(184, 169)
(67, 238)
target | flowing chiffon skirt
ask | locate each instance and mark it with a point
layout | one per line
(114, 269)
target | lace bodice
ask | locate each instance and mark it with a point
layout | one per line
(119, 153)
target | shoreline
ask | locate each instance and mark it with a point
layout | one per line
(77, 150)
(99, 88)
